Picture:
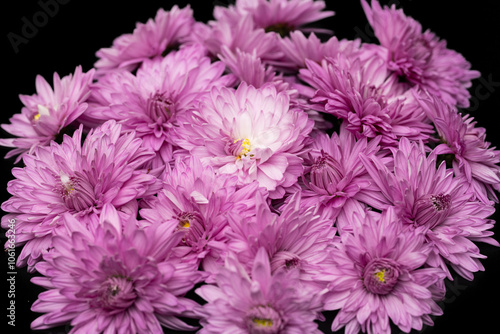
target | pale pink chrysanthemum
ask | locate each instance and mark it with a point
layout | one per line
(431, 200)
(418, 57)
(464, 145)
(375, 276)
(46, 114)
(257, 301)
(297, 238)
(248, 132)
(150, 101)
(75, 178)
(155, 38)
(367, 97)
(196, 201)
(115, 279)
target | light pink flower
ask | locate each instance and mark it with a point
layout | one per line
(375, 276)
(418, 57)
(257, 301)
(78, 179)
(45, 115)
(248, 132)
(150, 101)
(156, 38)
(118, 279)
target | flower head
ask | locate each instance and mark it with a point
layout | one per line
(334, 172)
(257, 301)
(46, 114)
(361, 92)
(78, 179)
(150, 101)
(156, 38)
(420, 58)
(464, 146)
(196, 201)
(376, 272)
(117, 278)
(431, 200)
(252, 133)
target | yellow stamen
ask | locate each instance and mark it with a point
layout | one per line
(246, 147)
(263, 322)
(42, 110)
(184, 223)
(380, 275)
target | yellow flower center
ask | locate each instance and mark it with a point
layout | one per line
(246, 147)
(380, 275)
(42, 110)
(262, 322)
(184, 223)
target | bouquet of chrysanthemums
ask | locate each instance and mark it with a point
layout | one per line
(249, 173)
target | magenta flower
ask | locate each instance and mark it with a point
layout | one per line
(78, 179)
(150, 102)
(248, 132)
(434, 202)
(197, 201)
(334, 173)
(156, 38)
(375, 275)
(257, 301)
(363, 93)
(116, 279)
(281, 16)
(298, 238)
(465, 145)
(240, 35)
(420, 58)
(46, 114)
(297, 48)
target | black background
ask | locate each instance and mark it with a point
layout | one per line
(79, 28)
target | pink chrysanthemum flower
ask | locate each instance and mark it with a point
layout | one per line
(420, 58)
(257, 301)
(367, 97)
(248, 132)
(116, 279)
(75, 178)
(280, 16)
(376, 275)
(156, 38)
(298, 238)
(334, 173)
(247, 67)
(46, 114)
(464, 146)
(297, 48)
(197, 201)
(150, 101)
(431, 200)
(241, 35)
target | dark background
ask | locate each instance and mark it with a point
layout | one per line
(78, 28)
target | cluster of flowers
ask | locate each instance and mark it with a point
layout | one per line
(274, 173)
